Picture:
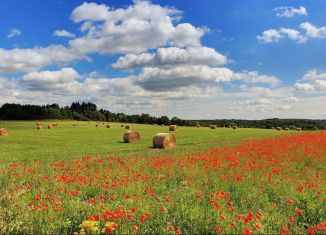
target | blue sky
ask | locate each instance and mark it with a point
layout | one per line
(211, 59)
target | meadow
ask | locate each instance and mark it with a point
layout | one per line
(85, 180)
(67, 142)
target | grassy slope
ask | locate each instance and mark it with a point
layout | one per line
(66, 142)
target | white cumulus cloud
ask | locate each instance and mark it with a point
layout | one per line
(270, 35)
(293, 35)
(274, 35)
(50, 80)
(314, 74)
(309, 31)
(313, 80)
(313, 31)
(134, 29)
(317, 85)
(173, 78)
(157, 79)
(32, 59)
(63, 33)
(172, 56)
(255, 77)
(286, 11)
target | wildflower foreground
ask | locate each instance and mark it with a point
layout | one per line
(269, 186)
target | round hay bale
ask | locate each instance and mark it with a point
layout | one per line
(198, 126)
(96, 125)
(172, 127)
(128, 126)
(122, 125)
(131, 137)
(54, 124)
(4, 132)
(108, 125)
(39, 127)
(234, 127)
(279, 128)
(298, 129)
(286, 129)
(49, 126)
(74, 124)
(212, 126)
(164, 141)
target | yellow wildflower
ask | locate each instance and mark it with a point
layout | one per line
(89, 227)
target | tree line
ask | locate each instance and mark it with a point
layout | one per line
(87, 111)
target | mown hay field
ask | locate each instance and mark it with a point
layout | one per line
(66, 142)
(86, 180)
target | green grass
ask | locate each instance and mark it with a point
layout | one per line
(66, 141)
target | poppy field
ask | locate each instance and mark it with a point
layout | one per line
(274, 184)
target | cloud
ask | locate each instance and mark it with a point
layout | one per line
(171, 72)
(157, 79)
(172, 56)
(310, 107)
(293, 35)
(66, 85)
(273, 35)
(173, 78)
(50, 80)
(134, 29)
(117, 94)
(314, 74)
(303, 86)
(291, 99)
(90, 11)
(317, 85)
(254, 102)
(255, 77)
(9, 90)
(270, 35)
(14, 32)
(27, 60)
(274, 93)
(260, 102)
(314, 81)
(286, 11)
(312, 31)
(180, 83)
(63, 33)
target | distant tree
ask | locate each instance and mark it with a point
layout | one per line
(88, 111)
(53, 113)
(164, 120)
